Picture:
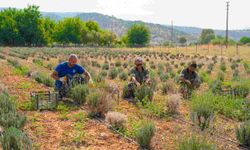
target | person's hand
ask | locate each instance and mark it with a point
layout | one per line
(188, 82)
(137, 83)
(62, 79)
(91, 81)
(148, 81)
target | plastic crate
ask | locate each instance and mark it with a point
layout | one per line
(44, 100)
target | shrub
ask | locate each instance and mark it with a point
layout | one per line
(125, 92)
(236, 74)
(125, 65)
(247, 67)
(113, 73)
(223, 66)
(2, 57)
(21, 70)
(38, 62)
(205, 77)
(49, 66)
(220, 76)
(168, 87)
(195, 143)
(99, 78)
(234, 65)
(216, 86)
(27, 105)
(79, 117)
(14, 63)
(116, 120)
(210, 68)
(241, 88)
(173, 104)
(42, 78)
(105, 66)
(123, 76)
(118, 64)
(145, 133)
(156, 109)
(99, 103)
(9, 117)
(103, 73)
(15, 139)
(163, 76)
(79, 93)
(152, 65)
(243, 133)
(202, 110)
(143, 92)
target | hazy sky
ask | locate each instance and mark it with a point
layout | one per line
(197, 13)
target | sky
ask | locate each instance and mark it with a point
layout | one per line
(192, 13)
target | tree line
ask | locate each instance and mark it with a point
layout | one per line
(27, 27)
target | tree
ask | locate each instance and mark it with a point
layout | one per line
(218, 40)
(30, 26)
(9, 32)
(69, 30)
(107, 38)
(206, 36)
(244, 40)
(48, 29)
(182, 40)
(92, 26)
(24, 27)
(138, 35)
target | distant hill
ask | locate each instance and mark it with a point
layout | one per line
(234, 34)
(160, 33)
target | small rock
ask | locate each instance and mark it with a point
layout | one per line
(102, 136)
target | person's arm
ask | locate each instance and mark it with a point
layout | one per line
(147, 81)
(183, 79)
(133, 79)
(87, 74)
(54, 75)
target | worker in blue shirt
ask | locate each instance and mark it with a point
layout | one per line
(68, 69)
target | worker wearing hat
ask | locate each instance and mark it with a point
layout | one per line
(138, 76)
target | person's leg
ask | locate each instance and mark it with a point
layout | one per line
(59, 89)
(184, 90)
(131, 88)
(128, 91)
(196, 83)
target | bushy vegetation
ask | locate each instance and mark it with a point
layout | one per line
(17, 24)
(116, 120)
(243, 133)
(45, 79)
(143, 94)
(99, 103)
(12, 123)
(15, 139)
(144, 134)
(18, 68)
(202, 110)
(138, 35)
(79, 93)
(173, 104)
(113, 73)
(9, 117)
(195, 143)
